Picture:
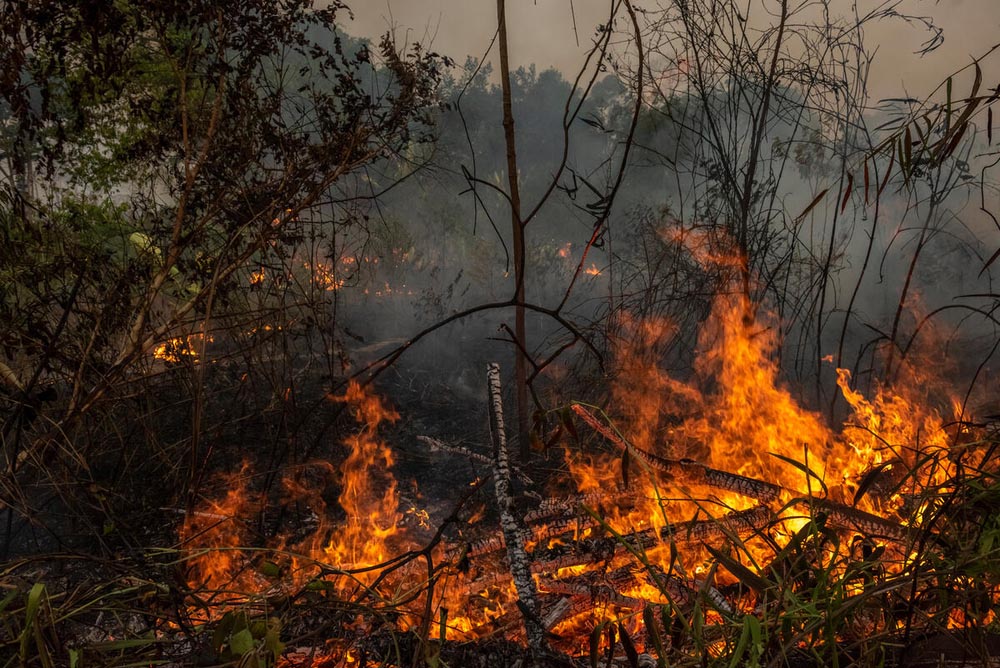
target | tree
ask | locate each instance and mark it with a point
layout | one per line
(184, 147)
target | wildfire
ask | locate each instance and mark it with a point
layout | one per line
(733, 415)
(217, 534)
(368, 493)
(726, 452)
(592, 270)
(324, 276)
(214, 533)
(181, 348)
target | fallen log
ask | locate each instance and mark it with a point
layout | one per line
(571, 506)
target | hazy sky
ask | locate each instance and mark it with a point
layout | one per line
(541, 32)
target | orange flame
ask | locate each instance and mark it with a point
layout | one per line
(368, 493)
(181, 348)
(731, 412)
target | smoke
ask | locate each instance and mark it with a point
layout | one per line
(899, 269)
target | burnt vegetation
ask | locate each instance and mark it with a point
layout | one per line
(253, 271)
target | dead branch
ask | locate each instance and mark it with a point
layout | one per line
(513, 531)
(686, 470)
(440, 446)
(873, 525)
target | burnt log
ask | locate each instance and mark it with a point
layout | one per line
(547, 560)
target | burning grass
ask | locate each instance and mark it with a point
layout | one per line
(710, 520)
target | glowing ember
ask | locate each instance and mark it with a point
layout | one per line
(182, 348)
(324, 276)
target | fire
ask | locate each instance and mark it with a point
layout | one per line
(218, 538)
(566, 250)
(592, 270)
(324, 276)
(181, 348)
(725, 454)
(214, 534)
(368, 494)
(733, 414)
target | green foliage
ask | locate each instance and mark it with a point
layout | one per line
(159, 155)
(252, 642)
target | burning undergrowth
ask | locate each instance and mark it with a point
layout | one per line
(692, 520)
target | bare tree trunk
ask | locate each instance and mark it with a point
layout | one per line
(517, 227)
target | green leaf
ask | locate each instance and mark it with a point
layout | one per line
(742, 573)
(628, 646)
(269, 569)
(595, 644)
(653, 635)
(272, 639)
(741, 645)
(31, 613)
(802, 467)
(222, 631)
(11, 595)
(241, 643)
(869, 479)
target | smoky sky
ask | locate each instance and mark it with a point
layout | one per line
(557, 33)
